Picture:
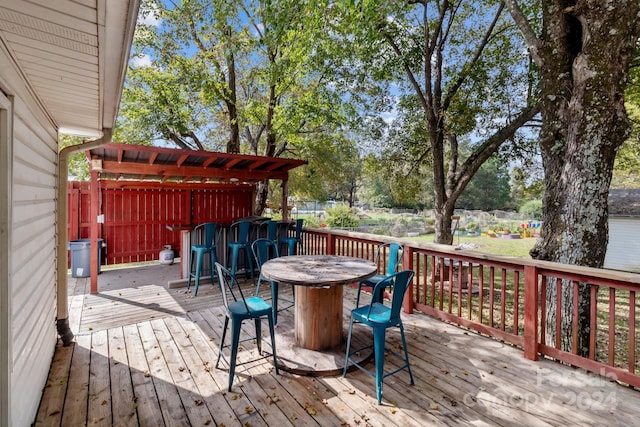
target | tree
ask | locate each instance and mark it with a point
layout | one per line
(489, 189)
(333, 170)
(583, 50)
(626, 169)
(453, 66)
(248, 75)
(375, 188)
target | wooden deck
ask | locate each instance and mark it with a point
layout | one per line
(145, 355)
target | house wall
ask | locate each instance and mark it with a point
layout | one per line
(624, 244)
(31, 253)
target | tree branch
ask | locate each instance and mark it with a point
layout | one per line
(476, 56)
(407, 68)
(489, 147)
(533, 42)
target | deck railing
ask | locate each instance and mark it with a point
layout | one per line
(506, 298)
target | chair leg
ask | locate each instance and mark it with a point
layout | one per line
(273, 343)
(274, 301)
(235, 339)
(258, 323)
(191, 261)
(212, 263)
(232, 254)
(198, 268)
(346, 358)
(358, 294)
(248, 263)
(378, 349)
(224, 335)
(406, 353)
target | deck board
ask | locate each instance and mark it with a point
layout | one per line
(145, 355)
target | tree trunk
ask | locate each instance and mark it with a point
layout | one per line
(584, 60)
(262, 192)
(233, 145)
(443, 232)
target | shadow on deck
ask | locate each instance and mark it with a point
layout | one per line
(145, 355)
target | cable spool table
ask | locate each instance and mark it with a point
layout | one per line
(318, 316)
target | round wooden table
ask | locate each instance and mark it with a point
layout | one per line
(318, 316)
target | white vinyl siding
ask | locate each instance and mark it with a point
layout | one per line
(623, 251)
(32, 251)
(6, 115)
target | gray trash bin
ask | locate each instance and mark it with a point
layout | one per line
(81, 257)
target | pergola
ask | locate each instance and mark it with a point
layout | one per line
(135, 163)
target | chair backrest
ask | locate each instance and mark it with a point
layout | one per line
(298, 228)
(263, 250)
(268, 229)
(239, 231)
(395, 251)
(399, 283)
(204, 234)
(229, 287)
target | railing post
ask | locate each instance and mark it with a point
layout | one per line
(531, 312)
(407, 264)
(331, 244)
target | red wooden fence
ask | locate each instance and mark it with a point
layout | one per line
(139, 217)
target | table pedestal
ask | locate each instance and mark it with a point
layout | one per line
(318, 317)
(328, 362)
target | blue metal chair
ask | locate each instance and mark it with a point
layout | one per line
(268, 230)
(203, 242)
(238, 308)
(393, 253)
(264, 250)
(381, 317)
(238, 241)
(294, 241)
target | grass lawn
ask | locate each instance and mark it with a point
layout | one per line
(490, 245)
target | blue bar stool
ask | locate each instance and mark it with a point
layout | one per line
(264, 250)
(294, 241)
(240, 308)
(393, 252)
(203, 242)
(380, 317)
(239, 240)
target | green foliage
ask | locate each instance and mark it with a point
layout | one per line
(78, 164)
(626, 172)
(342, 216)
(527, 183)
(205, 73)
(488, 189)
(332, 172)
(532, 208)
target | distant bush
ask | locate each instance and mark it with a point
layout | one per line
(472, 225)
(342, 216)
(532, 209)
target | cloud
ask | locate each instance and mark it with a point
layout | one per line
(148, 15)
(141, 61)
